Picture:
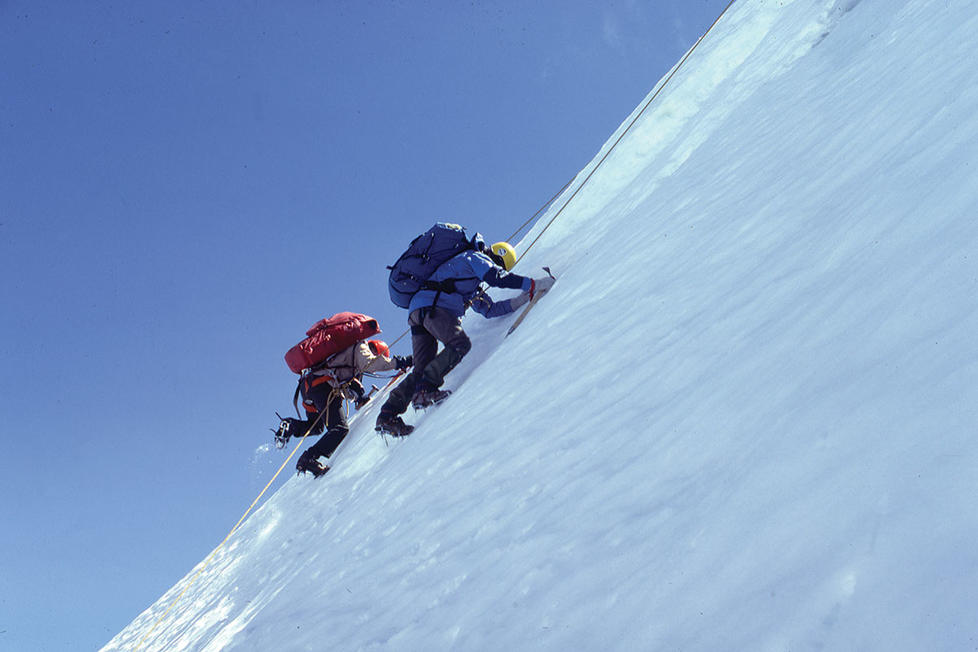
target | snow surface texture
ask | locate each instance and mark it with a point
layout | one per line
(744, 418)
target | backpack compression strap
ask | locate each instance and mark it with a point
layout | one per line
(445, 285)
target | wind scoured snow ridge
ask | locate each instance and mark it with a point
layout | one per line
(743, 419)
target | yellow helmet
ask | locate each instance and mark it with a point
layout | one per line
(505, 251)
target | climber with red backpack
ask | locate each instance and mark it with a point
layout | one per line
(331, 362)
(437, 279)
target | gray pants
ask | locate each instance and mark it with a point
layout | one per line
(428, 327)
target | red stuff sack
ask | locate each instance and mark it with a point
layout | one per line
(327, 337)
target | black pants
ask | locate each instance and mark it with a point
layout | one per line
(334, 421)
(428, 327)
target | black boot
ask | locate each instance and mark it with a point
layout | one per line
(308, 462)
(393, 425)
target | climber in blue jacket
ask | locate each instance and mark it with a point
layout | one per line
(436, 316)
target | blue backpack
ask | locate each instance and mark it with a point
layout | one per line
(424, 255)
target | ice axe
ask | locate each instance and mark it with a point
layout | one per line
(282, 434)
(360, 402)
(530, 305)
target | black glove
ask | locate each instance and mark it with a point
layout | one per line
(402, 362)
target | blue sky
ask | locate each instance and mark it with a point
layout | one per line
(186, 187)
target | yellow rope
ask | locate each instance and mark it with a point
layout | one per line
(399, 338)
(207, 561)
(634, 120)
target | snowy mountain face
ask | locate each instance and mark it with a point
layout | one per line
(743, 419)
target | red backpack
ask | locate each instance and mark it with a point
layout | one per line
(327, 337)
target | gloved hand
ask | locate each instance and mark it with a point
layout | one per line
(402, 362)
(356, 389)
(541, 284)
(520, 300)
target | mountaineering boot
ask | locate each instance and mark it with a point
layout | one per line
(427, 397)
(393, 425)
(309, 463)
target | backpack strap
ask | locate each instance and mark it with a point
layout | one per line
(328, 362)
(445, 285)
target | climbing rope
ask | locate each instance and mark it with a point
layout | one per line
(634, 120)
(234, 529)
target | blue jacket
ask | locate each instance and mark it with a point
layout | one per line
(460, 278)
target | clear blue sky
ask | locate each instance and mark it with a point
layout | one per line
(185, 187)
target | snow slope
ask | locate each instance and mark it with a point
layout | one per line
(744, 418)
